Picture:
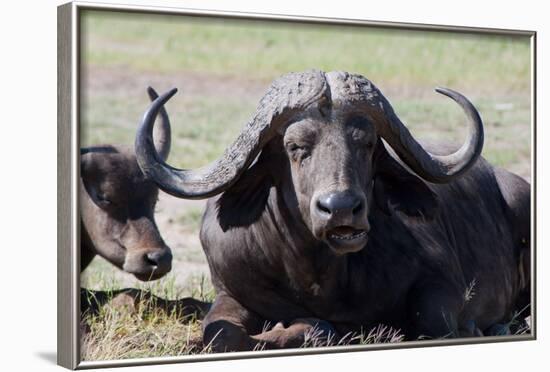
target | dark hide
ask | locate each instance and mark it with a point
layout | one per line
(441, 260)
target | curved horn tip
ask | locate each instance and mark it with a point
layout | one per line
(172, 91)
(152, 93)
(446, 91)
(166, 96)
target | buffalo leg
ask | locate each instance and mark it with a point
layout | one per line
(498, 329)
(227, 325)
(434, 313)
(301, 332)
(230, 327)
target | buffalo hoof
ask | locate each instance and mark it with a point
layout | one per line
(223, 336)
(316, 332)
(498, 329)
(470, 330)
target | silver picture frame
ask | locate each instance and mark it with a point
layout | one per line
(68, 226)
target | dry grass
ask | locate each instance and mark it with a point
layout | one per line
(146, 330)
(121, 334)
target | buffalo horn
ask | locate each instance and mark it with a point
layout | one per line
(435, 168)
(287, 96)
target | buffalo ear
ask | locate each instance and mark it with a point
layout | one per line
(398, 190)
(245, 201)
(87, 166)
(88, 170)
(85, 162)
(91, 159)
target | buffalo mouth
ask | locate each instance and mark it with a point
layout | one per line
(347, 238)
(150, 272)
(148, 265)
(153, 275)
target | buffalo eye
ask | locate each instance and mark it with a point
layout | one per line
(102, 200)
(366, 143)
(297, 152)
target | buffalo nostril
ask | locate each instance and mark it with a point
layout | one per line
(153, 258)
(346, 203)
(160, 260)
(358, 208)
(324, 209)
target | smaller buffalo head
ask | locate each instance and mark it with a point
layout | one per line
(117, 208)
(318, 138)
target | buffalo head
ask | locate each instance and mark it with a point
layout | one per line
(318, 137)
(117, 208)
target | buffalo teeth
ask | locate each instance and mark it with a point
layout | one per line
(348, 236)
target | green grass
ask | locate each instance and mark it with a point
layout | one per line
(202, 125)
(264, 50)
(123, 53)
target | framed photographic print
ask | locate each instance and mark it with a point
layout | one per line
(236, 185)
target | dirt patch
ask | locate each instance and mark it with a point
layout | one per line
(100, 79)
(114, 79)
(189, 260)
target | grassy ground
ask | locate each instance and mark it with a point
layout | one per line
(119, 333)
(222, 68)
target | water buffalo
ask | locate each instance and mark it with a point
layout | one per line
(326, 212)
(117, 208)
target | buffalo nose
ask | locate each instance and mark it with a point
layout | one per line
(339, 204)
(159, 258)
